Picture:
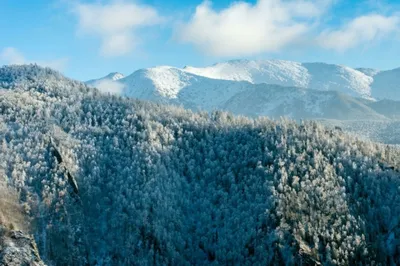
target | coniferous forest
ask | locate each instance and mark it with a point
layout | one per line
(99, 179)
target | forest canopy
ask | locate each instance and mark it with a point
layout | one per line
(106, 180)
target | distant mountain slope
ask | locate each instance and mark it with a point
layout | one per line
(368, 71)
(386, 131)
(176, 86)
(386, 85)
(388, 108)
(296, 103)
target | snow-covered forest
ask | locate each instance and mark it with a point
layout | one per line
(106, 180)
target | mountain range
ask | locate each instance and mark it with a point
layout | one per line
(267, 87)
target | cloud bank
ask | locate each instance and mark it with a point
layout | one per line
(116, 24)
(361, 30)
(244, 29)
(239, 29)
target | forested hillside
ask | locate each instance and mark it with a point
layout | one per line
(105, 180)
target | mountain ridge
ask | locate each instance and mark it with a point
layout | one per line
(357, 82)
(172, 85)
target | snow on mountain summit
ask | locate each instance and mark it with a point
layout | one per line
(298, 89)
(114, 76)
(170, 84)
(108, 84)
(318, 76)
(339, 78)
(277, 72)
(161, 81)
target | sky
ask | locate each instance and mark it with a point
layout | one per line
(88, 39)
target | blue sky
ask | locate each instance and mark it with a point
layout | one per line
(89, 39)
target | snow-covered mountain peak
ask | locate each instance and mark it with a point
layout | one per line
(115, 76)
(166, 81)
(318, 76)
(278, 72)
(195, 91)
(213, 86)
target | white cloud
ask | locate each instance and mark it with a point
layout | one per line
(116, 24)
(12, 56)
(361, 30)
(245, 29)
(109, 86)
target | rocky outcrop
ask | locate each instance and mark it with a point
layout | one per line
(17, 248)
